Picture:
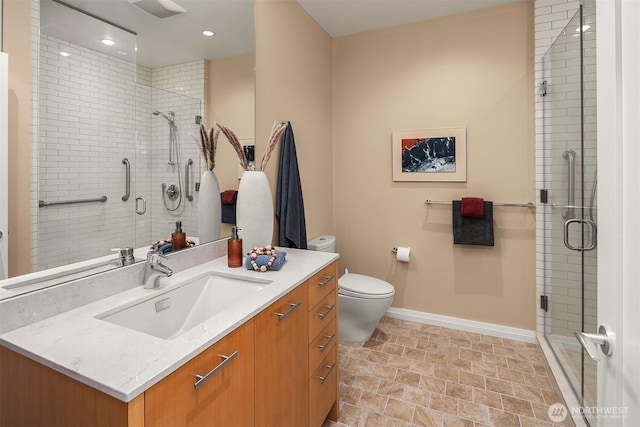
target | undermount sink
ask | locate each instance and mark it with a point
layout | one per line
(186, 305)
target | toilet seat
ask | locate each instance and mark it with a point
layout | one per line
(361, 286)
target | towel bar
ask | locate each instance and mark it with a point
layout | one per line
(513, 205)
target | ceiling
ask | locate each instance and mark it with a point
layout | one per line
(178, 38)
(342, 17)
(159, 41)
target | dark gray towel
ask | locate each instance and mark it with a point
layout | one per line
(472, 231)
(228, 211)
(289, 202)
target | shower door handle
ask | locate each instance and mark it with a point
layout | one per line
(187, 168)
(603, 339)
(594, 235)
(127, 179)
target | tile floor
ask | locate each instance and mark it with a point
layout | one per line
(411, 374)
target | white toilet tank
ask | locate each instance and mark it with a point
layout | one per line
(323, 243)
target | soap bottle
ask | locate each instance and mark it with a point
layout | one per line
(234, 249)
(178, 238)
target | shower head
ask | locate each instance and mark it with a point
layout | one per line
(170, 115)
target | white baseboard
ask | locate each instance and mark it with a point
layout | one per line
(463, 324)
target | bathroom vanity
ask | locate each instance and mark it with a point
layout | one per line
(267, 359)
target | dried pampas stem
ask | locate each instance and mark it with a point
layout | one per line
(276, 133)
(207, 143)
(235, 143)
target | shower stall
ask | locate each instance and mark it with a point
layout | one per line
(568, 233)
(108, 172)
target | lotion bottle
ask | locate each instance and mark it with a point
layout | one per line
(178, 238)
(234, 249)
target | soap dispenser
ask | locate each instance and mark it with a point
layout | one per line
(178, 238)
(234, 249)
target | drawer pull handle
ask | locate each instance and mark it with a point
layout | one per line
(329, 369)
(225, 360)
(326, 313)
(293, 308)
(330, 338)
(327, 279)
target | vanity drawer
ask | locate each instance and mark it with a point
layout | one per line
(322, 314)
(322, 345)
(322, 283)
(323, 389)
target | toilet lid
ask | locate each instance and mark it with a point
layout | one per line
(359, 285)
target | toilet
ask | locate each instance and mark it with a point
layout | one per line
(362, 300)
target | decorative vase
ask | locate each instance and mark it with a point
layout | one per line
(209, 209)
(254, 210)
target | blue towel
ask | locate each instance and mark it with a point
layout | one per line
(264, 259)
(289, 203)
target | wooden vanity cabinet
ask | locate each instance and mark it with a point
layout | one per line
(285, 373)
(282, 361)
(213, 389)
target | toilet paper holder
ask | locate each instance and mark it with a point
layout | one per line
(394, 250)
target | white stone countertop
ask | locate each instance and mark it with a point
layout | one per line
(123, 362)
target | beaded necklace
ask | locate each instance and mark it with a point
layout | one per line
(267, 250)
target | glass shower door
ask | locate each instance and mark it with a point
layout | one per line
(568, 96)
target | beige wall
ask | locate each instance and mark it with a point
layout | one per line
(17, 43)
(231, 102)
(473, 70)
(293, 82)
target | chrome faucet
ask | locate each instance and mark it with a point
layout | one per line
(155, 270)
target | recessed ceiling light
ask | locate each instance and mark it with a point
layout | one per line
(208, 33)
(108, 42)
(584, 28)
(122, 52)
(65, 54)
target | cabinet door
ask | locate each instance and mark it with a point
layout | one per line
(282, 362)
(224, 397)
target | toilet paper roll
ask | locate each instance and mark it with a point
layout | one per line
(402, 254)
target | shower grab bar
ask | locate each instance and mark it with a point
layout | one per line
(187, 169)
(43, 204)
(570, 156)
(512, 205)
(127, 179)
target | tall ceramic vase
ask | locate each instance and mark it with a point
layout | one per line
(254, 210)
(209, 209)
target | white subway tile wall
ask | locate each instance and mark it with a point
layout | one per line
(90, 112)
(558, 128)
(86, 127)
(181, 89)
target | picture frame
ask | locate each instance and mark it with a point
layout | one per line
(430, 155)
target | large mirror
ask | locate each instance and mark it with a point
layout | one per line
(122, 85)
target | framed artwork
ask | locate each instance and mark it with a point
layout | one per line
(430, 155)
